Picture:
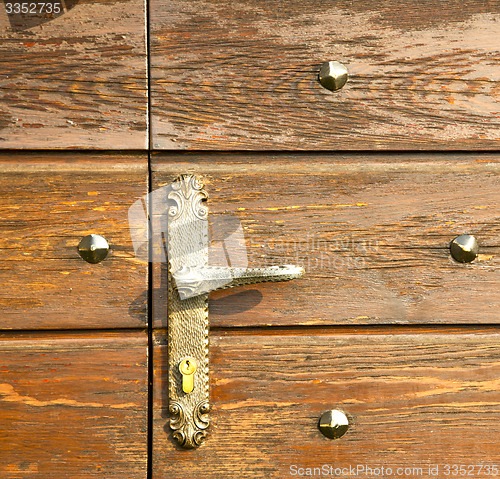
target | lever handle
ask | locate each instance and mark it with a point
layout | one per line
(190, 279)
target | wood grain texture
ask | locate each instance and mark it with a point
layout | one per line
(76, 81)
(371, 231)
(48, 202)
(73, 405)
(413, 400)
(243, 75)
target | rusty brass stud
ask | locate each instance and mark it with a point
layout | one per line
(333, 75)
(93, 248)
(333, 424)
(464, 248)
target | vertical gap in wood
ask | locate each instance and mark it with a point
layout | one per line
(149, 471)
(150, 336)
(150, 341)
(148, 78)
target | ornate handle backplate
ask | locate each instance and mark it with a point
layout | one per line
(190, 280)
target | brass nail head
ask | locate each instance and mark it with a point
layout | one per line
(464, 248)
(93, 248)
(333, 75)
(333, 424)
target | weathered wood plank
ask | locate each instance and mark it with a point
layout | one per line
(77, 80)
(414, 400)
(372, 232)
(243, 75)
(73, 405)
(48, 202)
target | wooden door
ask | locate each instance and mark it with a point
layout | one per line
(364, 188)
(74, 340)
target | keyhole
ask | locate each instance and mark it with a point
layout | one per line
(188, 368)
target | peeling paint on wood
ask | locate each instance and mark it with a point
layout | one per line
(73, 405)
(371, 231)
(412, 399)
(243, 75)
(76, 81)
(45, 210)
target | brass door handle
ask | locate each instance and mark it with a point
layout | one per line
(190, 279)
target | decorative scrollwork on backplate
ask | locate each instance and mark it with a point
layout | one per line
(178, 418)
(189, 429)
(187, 191)
(200, 416)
